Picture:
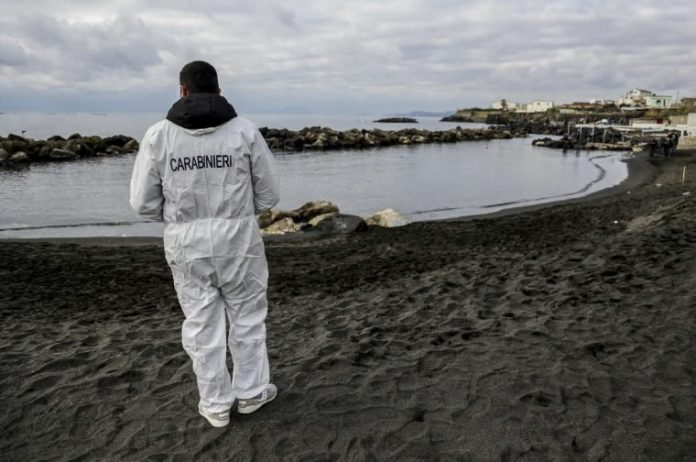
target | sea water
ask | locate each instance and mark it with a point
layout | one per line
(422, 182)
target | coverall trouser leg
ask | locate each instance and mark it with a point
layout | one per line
(204, 338)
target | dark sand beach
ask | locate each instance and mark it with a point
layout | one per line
(564, 333)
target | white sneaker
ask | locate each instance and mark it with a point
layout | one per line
(216, 419)
(247, 406)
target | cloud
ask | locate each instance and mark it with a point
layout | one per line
(331, 56)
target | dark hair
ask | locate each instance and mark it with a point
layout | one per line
(199, 77)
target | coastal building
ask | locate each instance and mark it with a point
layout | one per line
(602, 102)
(539, 106)
(636, 97)
(534, 106)
(689, 102)
(688, 132)
(522, 107)
(504, 105)
(658, 101)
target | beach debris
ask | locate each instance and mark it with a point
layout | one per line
(658, 185)
(687, 193)
(644, 222)
(388, 218)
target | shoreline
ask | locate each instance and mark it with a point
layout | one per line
(640, 172)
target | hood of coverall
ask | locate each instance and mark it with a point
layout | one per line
(201, 111)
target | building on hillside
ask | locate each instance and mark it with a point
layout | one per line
(658, 102)
(522, 107)
(602, 102)
(689, 102)
(504, 105)
(636, 97)
(539, 106)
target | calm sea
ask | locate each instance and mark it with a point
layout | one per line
(90, 197)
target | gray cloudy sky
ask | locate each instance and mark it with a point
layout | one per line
(330, 56)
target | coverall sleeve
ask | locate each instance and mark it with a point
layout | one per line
(146, 185)
(263, 176)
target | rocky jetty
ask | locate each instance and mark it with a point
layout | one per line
(527, 123)
(324, 139)
(457, 118)
(17, 150)
(324, 217)
(396, 120)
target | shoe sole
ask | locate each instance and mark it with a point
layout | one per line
(215, 423)
(256, 407)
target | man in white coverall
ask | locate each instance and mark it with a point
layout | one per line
(206, 173)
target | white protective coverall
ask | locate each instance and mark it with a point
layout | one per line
(207, 184)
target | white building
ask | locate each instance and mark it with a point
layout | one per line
(522, 107)
(504, 105)
(539, 106)
(602, 102)
(636, 97)
(658, 101)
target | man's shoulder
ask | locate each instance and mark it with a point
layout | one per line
(155, 128)
(160, 125)
(242, 123)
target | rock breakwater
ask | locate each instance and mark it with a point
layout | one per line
(324, 139)
(17, 150)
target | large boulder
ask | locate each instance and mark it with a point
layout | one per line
(340, 224)
(313, 209)
(131, 146)
(20, 157)
(13, 137)
(62, 154)
(3, 155)
(316, 220)
(79, 147)
(117, 140)
(389, 218)
(269, 217)
(284, 226)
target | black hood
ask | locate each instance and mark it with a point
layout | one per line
(201, 110)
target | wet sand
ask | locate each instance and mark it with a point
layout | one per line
(556, 333)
